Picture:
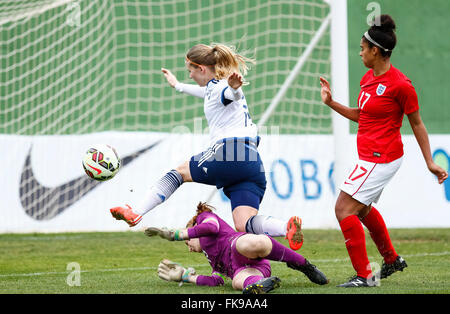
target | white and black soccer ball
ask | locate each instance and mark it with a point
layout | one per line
(101, 162)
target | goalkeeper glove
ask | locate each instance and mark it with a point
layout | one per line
(171, 235)
(171, 271)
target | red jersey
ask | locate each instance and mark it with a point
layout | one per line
(383, 100)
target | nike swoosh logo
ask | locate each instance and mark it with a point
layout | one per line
(98, 170)
(44, 203)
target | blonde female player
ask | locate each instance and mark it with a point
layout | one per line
(232, 162)
(241, 256)
(386, 95)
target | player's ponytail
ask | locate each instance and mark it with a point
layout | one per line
(229, 61)
(223, 59)
(201, 207)
(382, 34)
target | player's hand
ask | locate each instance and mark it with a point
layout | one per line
(162, 232)
(235, 80)
(325, 91)
(171, 271)
(171, 79)
(171, 235)
(440, 173)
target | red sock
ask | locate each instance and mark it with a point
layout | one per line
(380, 235)
(355, 241)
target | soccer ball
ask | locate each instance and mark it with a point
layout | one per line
(101, 162)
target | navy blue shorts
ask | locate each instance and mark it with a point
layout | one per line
(233, 164)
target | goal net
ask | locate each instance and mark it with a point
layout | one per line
(88, 66)
(76, 67)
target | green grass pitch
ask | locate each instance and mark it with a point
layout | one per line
(126, 262)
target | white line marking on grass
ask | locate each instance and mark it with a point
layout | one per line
(91, 271)
(339, 260)
(333, 260)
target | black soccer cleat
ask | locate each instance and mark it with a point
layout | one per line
(311, 272)
(389, 269)
(356, 282)
(262, 286)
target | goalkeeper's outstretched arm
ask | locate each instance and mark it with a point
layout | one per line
(171, 271)
(215, 279)
(209, 226)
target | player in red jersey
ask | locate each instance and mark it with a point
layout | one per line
(386, 95)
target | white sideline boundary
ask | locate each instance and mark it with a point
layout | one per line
(335, 260)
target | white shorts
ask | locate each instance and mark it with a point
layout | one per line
(366, 180)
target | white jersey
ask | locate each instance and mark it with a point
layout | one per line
(225, 109)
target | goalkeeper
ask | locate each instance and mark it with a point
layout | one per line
(243, 257)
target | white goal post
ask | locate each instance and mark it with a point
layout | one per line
(340, 83)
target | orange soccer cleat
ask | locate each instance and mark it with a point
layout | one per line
(126, 214)
(294, 233)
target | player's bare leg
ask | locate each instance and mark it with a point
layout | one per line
(347, 206)
(184, 171)
(254, 245)
(241, 214)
